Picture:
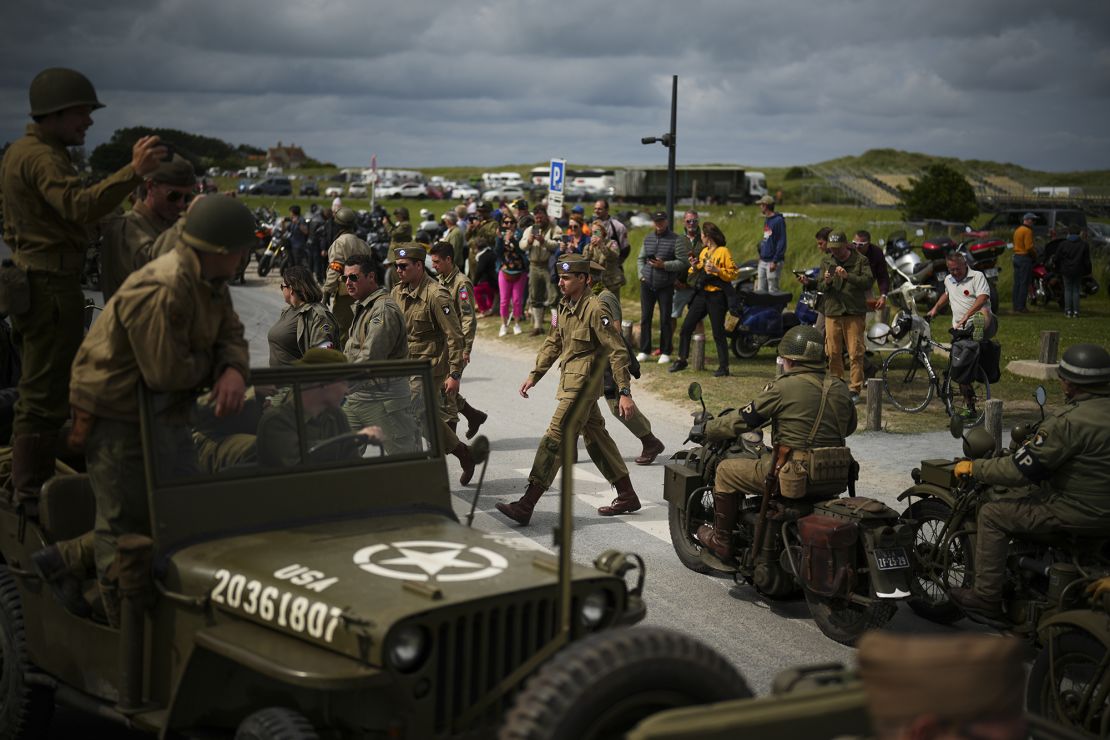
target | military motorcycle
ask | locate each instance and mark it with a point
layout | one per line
(849, 556)
(276, 253)
(1042, 570)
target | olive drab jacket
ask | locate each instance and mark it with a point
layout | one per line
(608, 255)
(345, 245)
(378, 330)
(1069, 455)
(401, 232)
(48, 211)
(126, 243)
(166, 327)
(434, 330)
(580, 329)
(844, 296)
(462, 293)
(790, 403)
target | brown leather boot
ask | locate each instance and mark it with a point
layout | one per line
(474, 419)
(462, 452)
(653, 447)
(717, 538)
(32, 465)
(521, 511)
(626, 501)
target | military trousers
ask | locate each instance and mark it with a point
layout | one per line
(638, 424)
(449, 438)
(342, 308)
(846, 333)
(742, 475)
(599, 445)
(538, 282)
(390, 412)
(49, 334)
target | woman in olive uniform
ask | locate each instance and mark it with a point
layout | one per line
(304, 322)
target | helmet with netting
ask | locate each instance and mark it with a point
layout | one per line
(803, 344)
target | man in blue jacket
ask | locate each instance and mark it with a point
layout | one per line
(772, 250)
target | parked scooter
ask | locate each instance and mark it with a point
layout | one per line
(762, 321)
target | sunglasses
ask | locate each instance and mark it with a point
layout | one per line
(401, 267)
(691, 220)
(353, 277)
(175, 196)
(859, 244)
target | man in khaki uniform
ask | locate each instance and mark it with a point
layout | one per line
(637, 423)
(453, 235)
(807, 409)
(345, 246)
(579, 331)
(171, 327)
(539, 241)
(435, 334)
(462, 293)
(47, 216)
(377, 333)
(1068, 457)
(481, 232)
(127, 238)
(401, 232)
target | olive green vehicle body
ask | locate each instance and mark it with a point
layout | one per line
(259, 599)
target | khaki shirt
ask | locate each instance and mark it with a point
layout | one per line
(610, 307)
(608, 255)
(48, 211)
(435, 332)
(454, 237)
(345, 245)
(546, 245)
(127, 240)
(790, 403)
(167, 240)
(402, 232)
(481, 234)
(166, 327)
(462, 293)
(1069, 454)
(579, 330)
(378, 330)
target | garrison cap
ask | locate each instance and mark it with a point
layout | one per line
(58, 88)
(322, 356)
(959, 677)
(178, 172)
(220, 225)
(409, 251)
(573, 264)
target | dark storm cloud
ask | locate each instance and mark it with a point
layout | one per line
(521, 80)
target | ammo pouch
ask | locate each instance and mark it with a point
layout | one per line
(15, 290)
(830, 464)
(821, 471)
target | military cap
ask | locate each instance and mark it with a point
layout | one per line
(178, 172)
(409, 251)
(838, 237)
(220, 225)
(484, 206)
(596, 268)
(958, 677)
(766, 200)
(345, 216)
(58, 88)
(573, 264)
(322, 356)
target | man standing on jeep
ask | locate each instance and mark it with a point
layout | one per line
(172, 328)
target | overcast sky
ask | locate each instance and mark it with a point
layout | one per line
(512, 81)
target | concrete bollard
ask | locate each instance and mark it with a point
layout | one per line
(992, 421)
(875, 390)
(1050, 345)
(697, 352)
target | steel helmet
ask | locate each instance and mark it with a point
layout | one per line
(803, 344)
(1085, 364)
(58, 88)
(220, 225)
(345, 216)
(878, 333)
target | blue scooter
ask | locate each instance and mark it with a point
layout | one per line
(763, 320)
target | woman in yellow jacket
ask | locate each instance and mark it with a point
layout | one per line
(710, 273)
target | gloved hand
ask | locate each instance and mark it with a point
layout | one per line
(963, 469)
(1096, 589)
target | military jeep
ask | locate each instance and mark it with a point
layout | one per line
(298, 581)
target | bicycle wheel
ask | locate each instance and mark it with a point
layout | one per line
(906, 376)
(967, 400)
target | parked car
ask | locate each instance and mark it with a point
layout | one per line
(309, 187)
(333, 191)
(272, 186)
(357, 190)
(402, 190)
(505, 192)
(462, 192)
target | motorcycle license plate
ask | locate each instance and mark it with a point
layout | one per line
(891, 559)
(990, 272)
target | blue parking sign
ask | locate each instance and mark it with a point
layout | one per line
(558, 175)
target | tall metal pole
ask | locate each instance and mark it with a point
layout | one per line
(670, 153)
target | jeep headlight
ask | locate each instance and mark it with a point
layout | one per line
(407, 648)
(594, 609)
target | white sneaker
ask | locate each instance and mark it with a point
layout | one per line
(517, 329)
(641, 357)
(504, 330)
(664, 359)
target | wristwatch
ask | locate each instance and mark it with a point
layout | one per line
(455, 375)
(626, 392)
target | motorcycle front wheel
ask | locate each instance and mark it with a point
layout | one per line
(844, 621)
(265, 262)
(953, 568)
(907, 381)
(1067, 683)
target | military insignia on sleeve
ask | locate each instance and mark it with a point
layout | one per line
(554, 320)
(1039, 439)
(464, 294)
(750, 408)
(769, 386)
(605, 321)
(447, 309)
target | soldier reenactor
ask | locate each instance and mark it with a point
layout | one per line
(401, 231)
(47, 215)
(636, 423)
(807, 409)
(580, 329)
(1068, 459)
(171, 326)
(435, 334)
(127, 238)
(345, 246)
(481, 232)
(462, 293)
(539, 241)
(605, 251)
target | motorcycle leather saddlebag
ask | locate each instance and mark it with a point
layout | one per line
(828, 554)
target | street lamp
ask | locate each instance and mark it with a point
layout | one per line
(668, 140)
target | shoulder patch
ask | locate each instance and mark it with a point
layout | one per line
(446, 309)
(1039, 438)
(464, 294)
(605, 321)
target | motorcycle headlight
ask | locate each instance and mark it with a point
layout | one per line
(407, 648)
(593, 609)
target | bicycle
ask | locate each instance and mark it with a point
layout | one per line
(911, 381)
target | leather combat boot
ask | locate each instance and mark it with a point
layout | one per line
(462, 452)
(521, 511)
(67, 588)
(653, 447)
(978, 608)
(474, 419)
(626, 501)
(718, 537)
(32, 465)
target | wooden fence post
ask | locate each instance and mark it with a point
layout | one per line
(697, 352)
(992, 421)
(875, 391)
(1050, 345)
